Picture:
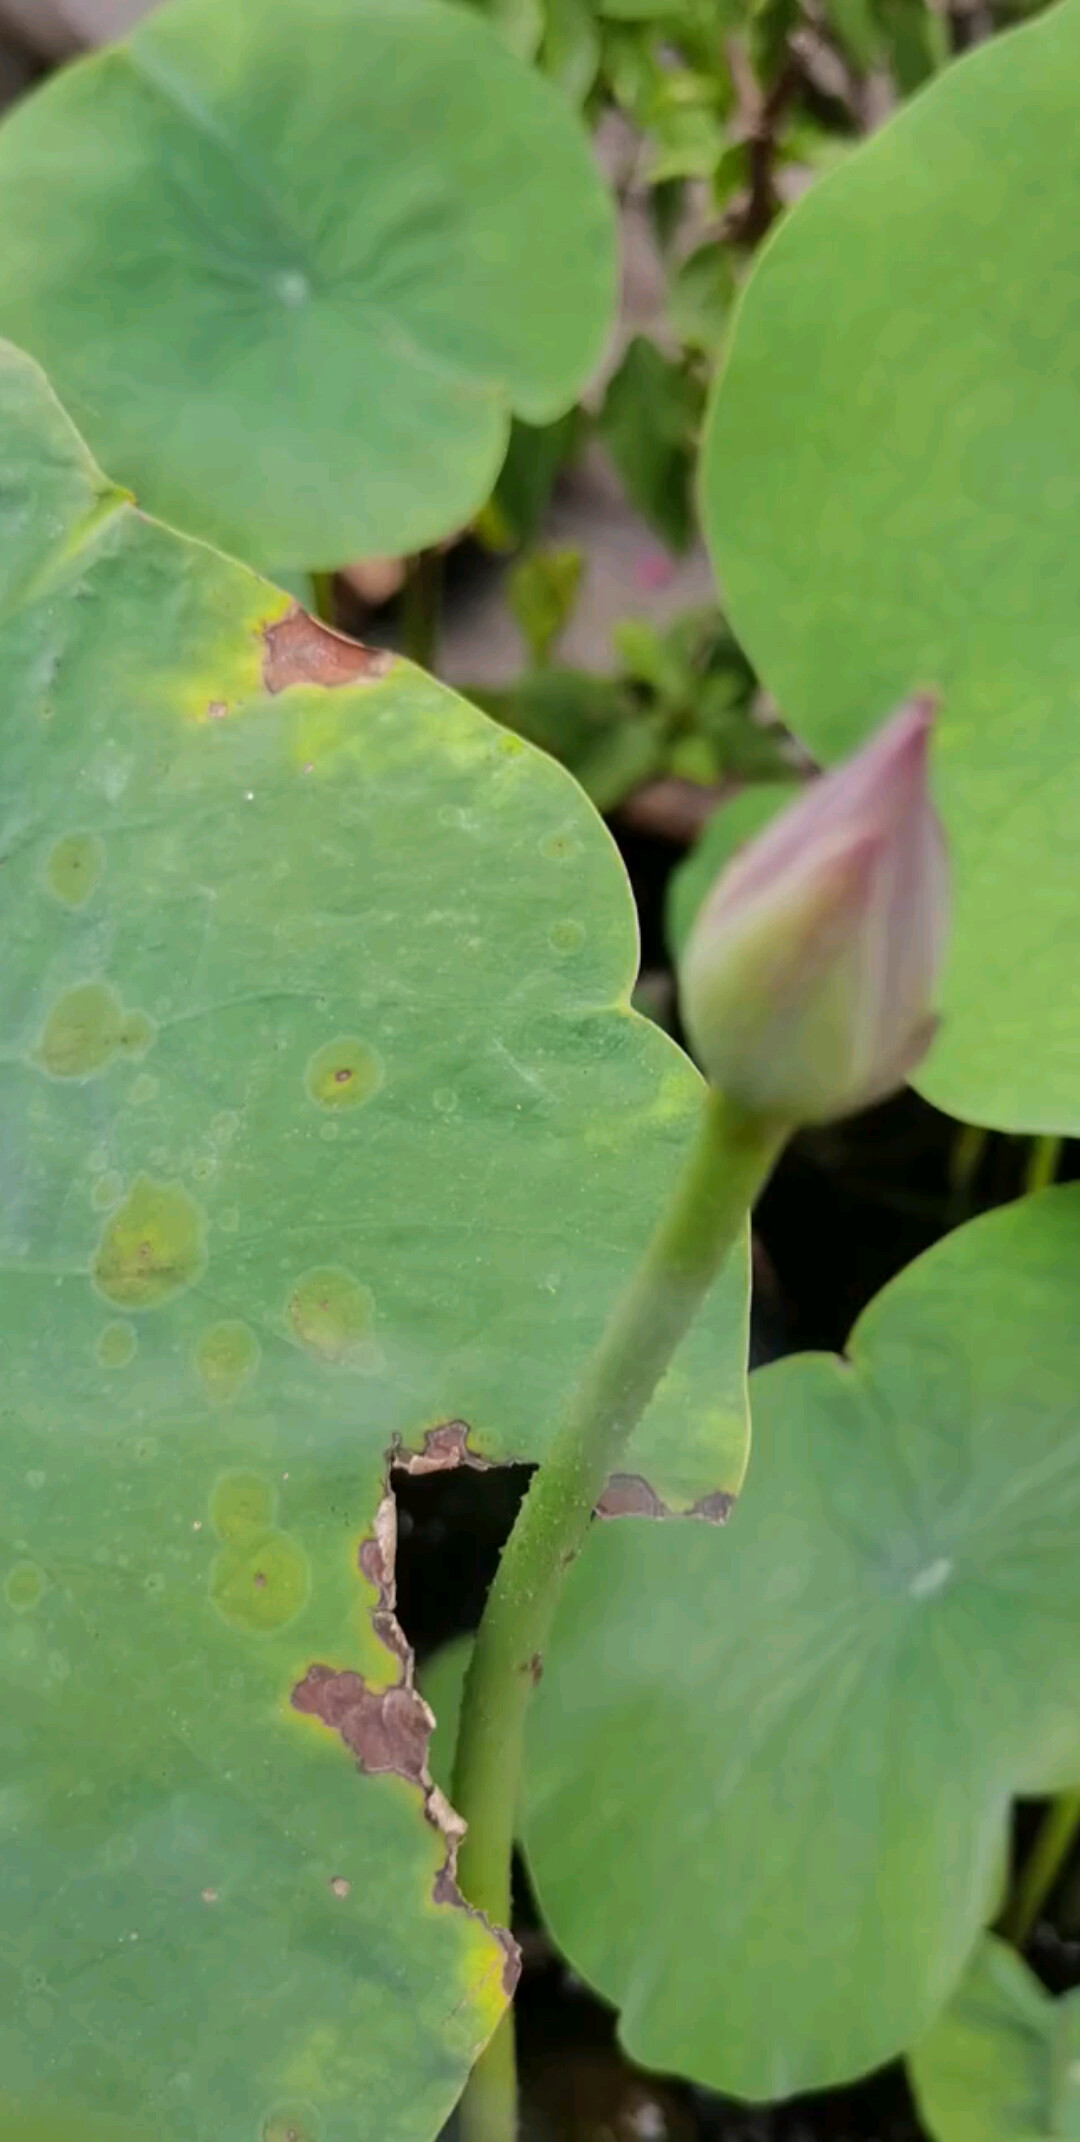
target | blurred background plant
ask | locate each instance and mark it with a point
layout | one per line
(710, 117)
(578, 606)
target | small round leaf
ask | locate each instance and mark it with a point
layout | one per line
(293, 263)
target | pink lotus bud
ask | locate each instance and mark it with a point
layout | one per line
(808, 980)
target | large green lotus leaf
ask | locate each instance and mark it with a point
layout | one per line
(1002, 2062)
(800, 1737)
(292, 263)
(892, 492)
(325, 1128)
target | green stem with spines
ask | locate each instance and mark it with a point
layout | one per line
(731, 1157)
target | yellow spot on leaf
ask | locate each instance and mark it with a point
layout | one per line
(566, 936)
(116, 1346)
(242, 1506)
(332, 1315)
(151, 1247)
(343, 1074)
(291, 2123)
(24, 1586)
(74, 868)
(259, 1583)
(227, 1357)
(86, 1028)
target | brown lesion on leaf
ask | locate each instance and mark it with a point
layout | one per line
(388, 1730)
(626, 1495)
(629, 1495)
(715, 1508)
(376, 1558)
(443, 1449)
(297, 649)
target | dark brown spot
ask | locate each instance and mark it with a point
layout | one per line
(446, 1891)
(387, 1729)
(443, 1449)
(342, 1077)
(628, 1495)
(299, 650)
(511, 1970)
(259, 1580)
(534, 1667)
(376, 1560)
(715, 1508)
(390, 1729)
(372, 1563)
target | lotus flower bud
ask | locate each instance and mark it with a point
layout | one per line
(808, 980)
